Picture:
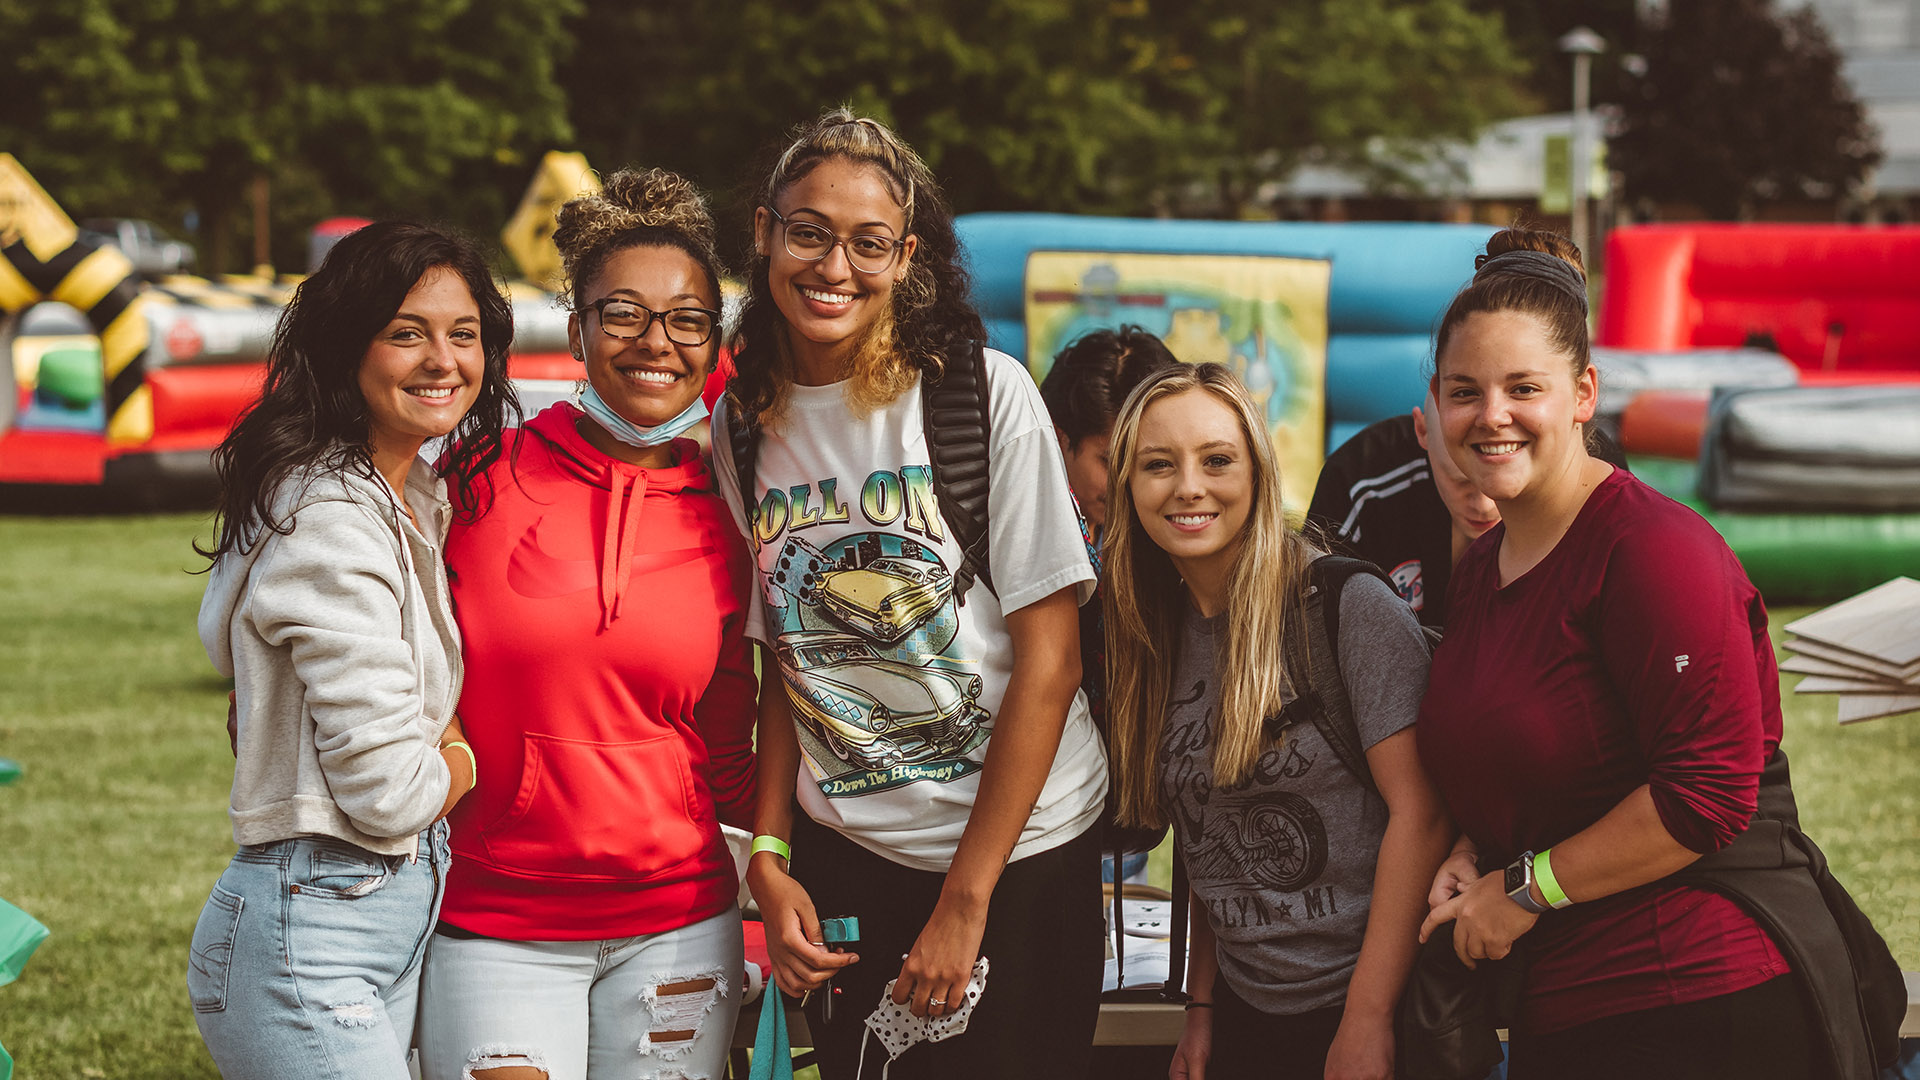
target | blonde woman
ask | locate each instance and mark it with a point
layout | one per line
(947, 774)
(1308, 885)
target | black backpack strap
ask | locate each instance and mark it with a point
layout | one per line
(1175, 988)
(743, 438)
(956, 414)
(1313, 649)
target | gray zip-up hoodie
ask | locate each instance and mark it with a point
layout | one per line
(340, 639)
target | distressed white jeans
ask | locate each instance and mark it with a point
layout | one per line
(584, 1010)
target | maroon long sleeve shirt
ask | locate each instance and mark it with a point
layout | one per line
(1635, 653)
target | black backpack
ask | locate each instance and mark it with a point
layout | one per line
(957, 417)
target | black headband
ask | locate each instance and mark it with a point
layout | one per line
(1537, 265)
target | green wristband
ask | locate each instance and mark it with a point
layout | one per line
(1550, 889)
(765, 842)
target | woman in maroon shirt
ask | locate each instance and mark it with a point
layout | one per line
(1597, 717)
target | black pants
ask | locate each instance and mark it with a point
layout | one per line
(1252, 1045)
(1760, 1033)
(1043, 940)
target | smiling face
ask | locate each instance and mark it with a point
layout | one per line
(1191, 480)
(648, 380)
(1511, 407)
(829, 305)
(423, 369)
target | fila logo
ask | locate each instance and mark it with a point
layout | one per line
(1680, 662)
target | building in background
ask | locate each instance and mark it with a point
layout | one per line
(1881, 42)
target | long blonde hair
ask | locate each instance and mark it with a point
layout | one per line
(1146, 606)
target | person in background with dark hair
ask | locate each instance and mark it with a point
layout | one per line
(1393, 497)
(328, 606)
(948, 777)
(1597, 717)
(590, 928)
(1083, 391)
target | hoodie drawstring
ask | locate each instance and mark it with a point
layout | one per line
(624, 496)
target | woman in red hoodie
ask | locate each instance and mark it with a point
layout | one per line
(590, 925)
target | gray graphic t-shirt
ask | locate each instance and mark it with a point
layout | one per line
(1283, 863)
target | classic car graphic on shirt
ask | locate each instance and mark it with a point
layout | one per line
(871, 711)
(868, 647)
(886, 598)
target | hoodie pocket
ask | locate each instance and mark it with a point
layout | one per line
(610, 811)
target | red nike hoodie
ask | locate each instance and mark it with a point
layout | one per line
(609, 696)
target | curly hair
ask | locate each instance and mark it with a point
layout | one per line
(930, 315)
(1560, 311)
(635, 208)
(311, 411)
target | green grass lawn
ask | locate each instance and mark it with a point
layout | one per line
(119, 826)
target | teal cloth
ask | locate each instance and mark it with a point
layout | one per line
(772, 1048)
(20, 934)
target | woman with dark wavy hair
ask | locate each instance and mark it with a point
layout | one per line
(327, 604)
(947, 773)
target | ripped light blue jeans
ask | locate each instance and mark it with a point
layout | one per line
(656, 1007)
(306, 959)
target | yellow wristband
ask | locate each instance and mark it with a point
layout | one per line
(472, 763)
(1549, 886)
(766, 842)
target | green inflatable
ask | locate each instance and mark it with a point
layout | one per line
(1800, 558)
(20, 934)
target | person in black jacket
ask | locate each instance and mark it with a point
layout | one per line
(1390, 497)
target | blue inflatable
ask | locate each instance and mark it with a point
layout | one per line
(1391, 281)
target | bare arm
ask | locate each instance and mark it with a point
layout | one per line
(1026, 735)
(1419, 834)
(793, 927)
(1627, 847)
(1190, 1057)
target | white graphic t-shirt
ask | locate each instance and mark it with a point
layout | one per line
(894, 687)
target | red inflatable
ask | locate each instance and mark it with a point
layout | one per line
(1841, 301)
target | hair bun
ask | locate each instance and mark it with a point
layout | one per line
(659, 199)
(632, 199)
(1518, 238)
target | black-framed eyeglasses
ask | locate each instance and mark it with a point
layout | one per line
(622, 318)
(810, 241)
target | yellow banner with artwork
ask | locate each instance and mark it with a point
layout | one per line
(1263, 316)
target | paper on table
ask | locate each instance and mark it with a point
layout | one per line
(1837, 655)
(1828, 684)
(1883, 623)
(1857, 707)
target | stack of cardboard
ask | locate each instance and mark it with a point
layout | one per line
(1865, 650)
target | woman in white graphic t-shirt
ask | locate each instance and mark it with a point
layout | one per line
(932, 764)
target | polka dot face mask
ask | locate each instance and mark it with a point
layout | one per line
(898, 1029)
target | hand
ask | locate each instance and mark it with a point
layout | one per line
(1459, 871)
(941, 961)
(1489, 923)
(1362, 1048)
(800, 961)
(1195, 1047)
(233, 723)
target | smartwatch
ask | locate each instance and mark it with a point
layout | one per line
(1520, 885)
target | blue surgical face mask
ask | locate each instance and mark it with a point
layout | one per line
(626, 432)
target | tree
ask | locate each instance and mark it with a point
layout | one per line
(1117, 106)
(1741, 105)
(432, 108)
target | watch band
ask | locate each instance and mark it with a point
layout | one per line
(1519, 882)
(1549, 885)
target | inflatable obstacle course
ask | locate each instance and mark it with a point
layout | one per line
(1390, 282)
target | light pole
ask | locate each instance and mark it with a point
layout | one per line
(1583, 44)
